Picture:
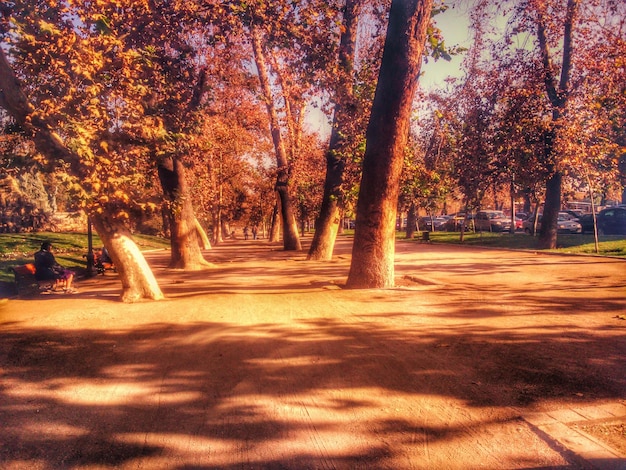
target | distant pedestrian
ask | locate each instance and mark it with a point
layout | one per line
(254, 232)
(245, 232)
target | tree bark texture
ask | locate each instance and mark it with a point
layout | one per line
(291, 239)
(329, 218)
(373, 251)
(551, 207)
(186, 253)
(138, 281)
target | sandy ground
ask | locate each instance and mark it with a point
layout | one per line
(266, 362)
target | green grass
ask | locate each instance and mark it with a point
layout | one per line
(609, 245)
(69, 248)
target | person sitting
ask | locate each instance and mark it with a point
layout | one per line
(47, 268)
(104, 261)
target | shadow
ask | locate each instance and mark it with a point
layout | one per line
(260, 364)
(222, 392)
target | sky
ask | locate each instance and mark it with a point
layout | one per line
(454, 25)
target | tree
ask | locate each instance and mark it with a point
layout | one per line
(557, 93)
(291, 240)
(138, 282)
(121, 77)
(387, 133)
(427, 174)
(327, 222)
(289, 42)
(174, 40)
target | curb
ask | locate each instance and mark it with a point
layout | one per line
(557, 428)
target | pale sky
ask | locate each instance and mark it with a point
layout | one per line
(454, 26)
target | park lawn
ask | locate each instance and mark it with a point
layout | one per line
(609, 245)
(69, 248)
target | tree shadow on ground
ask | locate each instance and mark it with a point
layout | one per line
(331, 379)
(208, 391)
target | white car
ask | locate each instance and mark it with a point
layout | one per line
(565, 224)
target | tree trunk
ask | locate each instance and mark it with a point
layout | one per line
(558, 96)
(186, 253)
(224, 228)
(276, 222)
(138, 282)
(373, 249)
(329, 219)
(218, 224)
(551, 207)
(291, 240)
(411, 221)
(166, 221)
(205, 243)
(621, 166)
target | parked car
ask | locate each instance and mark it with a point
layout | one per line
(454, 223)
(565, 224)
(586, 221)
(492, 221)
(528, 225)
(432, 224)
(612, 221)
(574, 213)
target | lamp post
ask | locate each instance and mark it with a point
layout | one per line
(90, 255)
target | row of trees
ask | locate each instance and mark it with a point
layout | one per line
(541, 110)
(120, 94)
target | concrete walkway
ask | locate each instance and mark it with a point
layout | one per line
(562, 428)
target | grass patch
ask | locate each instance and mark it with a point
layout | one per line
(69, 248)
(609, 245)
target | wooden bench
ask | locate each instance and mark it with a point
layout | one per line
(26, 283)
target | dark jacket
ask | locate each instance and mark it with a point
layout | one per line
(46, 267)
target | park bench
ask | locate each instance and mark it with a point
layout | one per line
(26, 283)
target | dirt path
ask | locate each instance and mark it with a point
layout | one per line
(265, 362)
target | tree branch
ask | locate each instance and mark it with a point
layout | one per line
(47, 142)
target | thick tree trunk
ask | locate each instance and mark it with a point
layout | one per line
(373, 251)
(138, 282)
(225, 229)
(329, 219)
(552, 206)
(186, 253)
(291, 240)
